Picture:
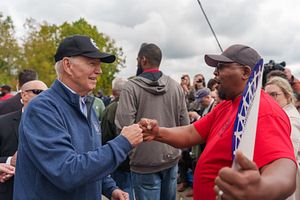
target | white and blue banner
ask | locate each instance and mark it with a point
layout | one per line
(244, 132)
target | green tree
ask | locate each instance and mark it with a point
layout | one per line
(42, 40)
(9, 51)
(39, 48)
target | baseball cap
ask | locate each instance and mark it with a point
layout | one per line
(203, 92)
(234, 54)
(81, 45)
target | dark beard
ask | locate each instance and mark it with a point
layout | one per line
(139, 69)
(222, 95)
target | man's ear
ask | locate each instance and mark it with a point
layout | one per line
(143, 60)
(66, 63)
(24, 96)
(247, 72)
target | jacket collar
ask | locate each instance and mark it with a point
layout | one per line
(70, 96)
(65, 93)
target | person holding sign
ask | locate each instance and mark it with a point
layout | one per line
(271, 174)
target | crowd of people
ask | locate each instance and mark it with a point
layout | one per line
(143, 143)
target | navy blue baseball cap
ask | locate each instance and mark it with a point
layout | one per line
(203, 92)
(81, 45)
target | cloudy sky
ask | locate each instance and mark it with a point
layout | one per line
(178, 27)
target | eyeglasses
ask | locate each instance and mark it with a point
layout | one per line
(199, 81)
(35, 91)
(274, 94)
(221, 65)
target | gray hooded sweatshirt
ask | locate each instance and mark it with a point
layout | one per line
(163, 100)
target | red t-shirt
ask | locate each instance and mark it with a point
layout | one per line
(272, 141)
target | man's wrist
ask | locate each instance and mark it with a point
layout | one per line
(157, 136)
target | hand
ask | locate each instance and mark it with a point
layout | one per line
(133, 134)
(118, 194)
(14, 159)
(185, 88)
(150, 128)
(193, 115)
(6, 172)
(238, 184)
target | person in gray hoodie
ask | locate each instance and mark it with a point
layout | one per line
(152, 94)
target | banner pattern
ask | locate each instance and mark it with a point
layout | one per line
(251, 91)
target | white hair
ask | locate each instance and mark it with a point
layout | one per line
(118, 84)
(58, 68)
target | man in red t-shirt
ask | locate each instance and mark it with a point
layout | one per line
(271, 174)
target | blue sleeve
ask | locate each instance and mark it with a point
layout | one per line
(49, 145)
(108, 186)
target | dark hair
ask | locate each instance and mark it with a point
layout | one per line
(27, 75)
(203, 80)
(271, 66)
(151, 52)
(297, 95)
(211, 82)
(6, 88)
(279, 73)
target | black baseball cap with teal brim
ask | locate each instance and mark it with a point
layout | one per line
(237, 53)
(81, 45)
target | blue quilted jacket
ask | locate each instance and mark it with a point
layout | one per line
(60, 156)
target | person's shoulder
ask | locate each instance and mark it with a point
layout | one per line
(45, 100)
(131, 84)
(169, 82)
(112, 105)
(111, 109)
(11, 100)
(11, 104)
(98, 101)
(169, 79)
(292, 111)
(10, 115)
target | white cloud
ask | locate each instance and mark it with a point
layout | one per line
(178, 27)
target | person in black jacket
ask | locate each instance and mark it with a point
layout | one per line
(9, 125)
(14, 103)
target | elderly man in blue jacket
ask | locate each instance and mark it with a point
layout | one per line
(60, 155)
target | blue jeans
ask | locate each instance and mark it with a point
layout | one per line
(123, 181)
(156, 186)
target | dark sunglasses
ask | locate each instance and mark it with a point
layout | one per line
(221, 65)
(35, 91)
(199, 81)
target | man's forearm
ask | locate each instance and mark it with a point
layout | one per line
(179, 137)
